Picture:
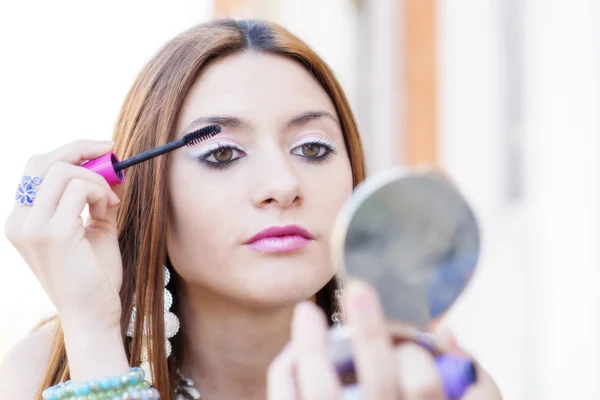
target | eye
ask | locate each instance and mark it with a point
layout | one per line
(314, 149)
(221, 156)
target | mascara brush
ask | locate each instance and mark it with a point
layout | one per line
(112, 169)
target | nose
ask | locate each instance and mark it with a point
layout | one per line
(277, 184)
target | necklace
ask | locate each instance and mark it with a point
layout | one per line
(186, 388)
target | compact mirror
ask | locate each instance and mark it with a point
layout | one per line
(413, 237)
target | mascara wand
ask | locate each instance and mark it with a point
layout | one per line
(112, 169)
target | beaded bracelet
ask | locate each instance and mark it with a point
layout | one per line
(129, 386)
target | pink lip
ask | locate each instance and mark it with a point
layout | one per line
(280, 239)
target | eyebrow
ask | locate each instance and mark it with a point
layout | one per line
(309, 116)
(239, 123)
(224, 121)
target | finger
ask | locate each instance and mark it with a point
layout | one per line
(417, 375)
(112, 212)
(448, 343)
(315, 374)
(76, 196)
(55, 183)
(371, 343)
(280, 377)
(76, 152)
(72, 153)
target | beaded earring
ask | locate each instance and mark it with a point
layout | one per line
(171, 327)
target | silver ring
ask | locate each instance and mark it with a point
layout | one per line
(27, 190)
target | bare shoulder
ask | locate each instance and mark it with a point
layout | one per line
(22, 369)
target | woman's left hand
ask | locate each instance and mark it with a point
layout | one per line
(304, 370)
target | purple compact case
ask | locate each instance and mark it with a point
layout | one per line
(457, 376)
(456, 373)
(411, 236)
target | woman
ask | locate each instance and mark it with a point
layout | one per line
(287, 158)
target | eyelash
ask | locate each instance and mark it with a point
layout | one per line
(328, 146)
(203, 158)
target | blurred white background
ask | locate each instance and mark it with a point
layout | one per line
(517, 111)
(66, 68)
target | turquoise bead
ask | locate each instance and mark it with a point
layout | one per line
(115, 382)
(50, 394)
(95, 385)
(105, 383)
(108, 388)
(133, 378)
(61, 392)
(70, 390)
(82, 389)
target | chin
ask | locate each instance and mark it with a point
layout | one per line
(285, 283)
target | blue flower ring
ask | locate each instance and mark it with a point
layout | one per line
(27, 190)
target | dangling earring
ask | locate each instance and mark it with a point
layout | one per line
(171, 328)
(338, 316)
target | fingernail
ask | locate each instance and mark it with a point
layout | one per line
(361, 299)
(106, 142)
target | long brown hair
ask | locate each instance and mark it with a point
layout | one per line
(147, 119)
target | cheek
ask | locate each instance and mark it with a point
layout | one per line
(328, 194)
(201, 219)
(338, 185)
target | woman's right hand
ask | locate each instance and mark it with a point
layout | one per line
(77, 263)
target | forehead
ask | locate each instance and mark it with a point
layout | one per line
(254, 85)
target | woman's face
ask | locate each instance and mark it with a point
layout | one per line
(279, 162)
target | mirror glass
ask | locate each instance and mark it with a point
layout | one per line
(412, 236)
